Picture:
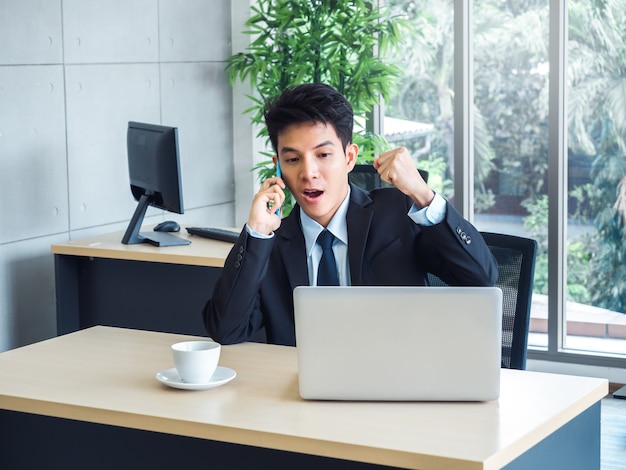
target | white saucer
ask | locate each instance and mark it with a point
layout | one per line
(171, 378)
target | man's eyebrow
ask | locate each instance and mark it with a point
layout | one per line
(322, 144)
(287, 149)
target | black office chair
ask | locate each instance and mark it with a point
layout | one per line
(516, 264)
(365, 176)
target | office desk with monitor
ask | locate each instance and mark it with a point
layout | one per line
(90, 399)
(100, 281)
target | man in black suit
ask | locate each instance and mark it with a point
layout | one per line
(391, 236)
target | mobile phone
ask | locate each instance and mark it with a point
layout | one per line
(279, 174)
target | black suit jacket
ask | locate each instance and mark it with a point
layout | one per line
(385, 247)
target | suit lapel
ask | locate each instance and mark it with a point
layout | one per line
(358, 219)
(293, 249)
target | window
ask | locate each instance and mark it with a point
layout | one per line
(420, 116)
(531, 59)
(596, 178)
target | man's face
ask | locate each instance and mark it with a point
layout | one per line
(315, 168)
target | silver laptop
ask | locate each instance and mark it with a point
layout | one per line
(399, 343)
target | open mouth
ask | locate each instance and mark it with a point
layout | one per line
(313, 193)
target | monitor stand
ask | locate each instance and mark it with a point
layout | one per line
(133, 237)
(163, 239)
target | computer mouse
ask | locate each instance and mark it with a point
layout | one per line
(167, 226)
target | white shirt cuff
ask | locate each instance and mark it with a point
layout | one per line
(256, 234)
(431, 214)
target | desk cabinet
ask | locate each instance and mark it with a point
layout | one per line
(100, 281)
(133, 294)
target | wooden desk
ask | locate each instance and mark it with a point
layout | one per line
(90, 400)
(100, 281)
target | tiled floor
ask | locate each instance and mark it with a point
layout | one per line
(613, 439)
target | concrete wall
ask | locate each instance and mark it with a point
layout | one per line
(72, 74)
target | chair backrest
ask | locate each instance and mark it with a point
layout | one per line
(516, 265)
(366, 177)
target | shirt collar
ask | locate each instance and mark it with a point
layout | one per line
(337, 225)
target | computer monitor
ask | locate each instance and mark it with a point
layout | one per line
(154, 170)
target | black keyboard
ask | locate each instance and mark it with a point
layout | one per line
(214, 233)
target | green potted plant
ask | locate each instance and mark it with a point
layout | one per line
(341, 43)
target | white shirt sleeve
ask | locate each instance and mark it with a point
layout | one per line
(256, 234)
(431, 214)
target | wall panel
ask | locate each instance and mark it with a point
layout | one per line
(33, 173)
(27, 303)
(97, 31)
(101, 99)
(30, 32)
(194, 30)
(196, 98)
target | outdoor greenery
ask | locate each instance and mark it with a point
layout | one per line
(511, 87)
(308, 41)
(598, 129)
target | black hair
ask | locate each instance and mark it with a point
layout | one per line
(310, 102)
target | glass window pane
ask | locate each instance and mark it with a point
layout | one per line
(596, 77)
(511, 131)
(420, 116)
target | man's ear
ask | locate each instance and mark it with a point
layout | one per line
(352, 152)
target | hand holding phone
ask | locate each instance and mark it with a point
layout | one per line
(266, 205)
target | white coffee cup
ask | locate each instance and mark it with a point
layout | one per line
(196, 361)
